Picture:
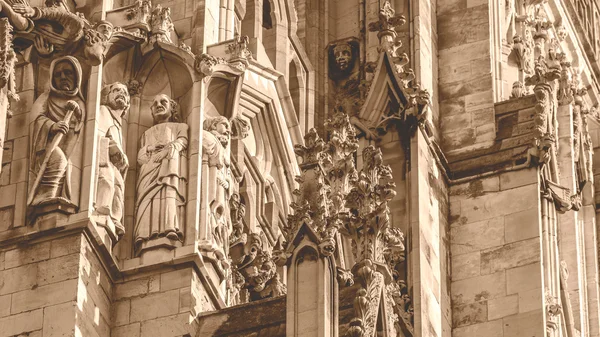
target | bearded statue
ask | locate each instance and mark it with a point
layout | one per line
(216, 173)
(112, 160)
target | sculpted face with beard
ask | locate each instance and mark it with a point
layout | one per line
(112, 160)
(217, 180)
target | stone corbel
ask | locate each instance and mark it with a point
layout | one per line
(205, 64)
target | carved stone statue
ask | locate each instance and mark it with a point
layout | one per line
(342, 59)
(343, 71)
(162, 176)
(59, 113)
(112, 160)
(216, 159)
(161, 24)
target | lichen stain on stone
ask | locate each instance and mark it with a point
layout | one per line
(484, 295)
(476, 189)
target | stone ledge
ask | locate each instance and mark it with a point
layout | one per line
(265, 317)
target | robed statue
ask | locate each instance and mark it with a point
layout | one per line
(162, 176)
(112, 160)
(216, 172)
(59, 115)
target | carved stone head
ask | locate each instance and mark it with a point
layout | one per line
(105, 29)
(64, 76)
(164, 109)
(220, 128)
(342, 58)
(95, 46)
(115, 96)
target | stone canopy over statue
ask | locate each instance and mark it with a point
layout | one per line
(55, 132)
(161, 184)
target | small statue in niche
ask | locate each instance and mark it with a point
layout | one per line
(55, 133)
(343, 71)
(112, 160)
(216, 155)
(162, 175)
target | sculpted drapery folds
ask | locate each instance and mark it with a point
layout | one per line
(56, 129)
(162, 176)
(216, 156)
(112, 160)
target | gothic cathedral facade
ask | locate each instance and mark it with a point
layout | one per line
(330, 168)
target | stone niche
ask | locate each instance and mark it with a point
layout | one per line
(163, 155)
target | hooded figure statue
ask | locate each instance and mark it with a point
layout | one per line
(55, 132)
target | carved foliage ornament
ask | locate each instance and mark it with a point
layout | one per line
(334, 197)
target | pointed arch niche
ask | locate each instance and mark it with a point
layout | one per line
(150, 70)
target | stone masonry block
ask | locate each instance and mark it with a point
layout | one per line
(145, 308)
(58, 269)
(488, 329)
(524, 278)
(171, 326)
(502, 203)
(5, 305)
(518, 178)
(476, 236)
(502, 307)
(59, 320)
(131, 330)
(479, 288)
(509, 256)
(522, 225)
(530, 324)
(65, 246)
(18, 279)
(469, 314)
(176, 279)
(43, 296)
(133, 288)
(466, 266)
(21, 323)
(29, 254)
(120, 312)
(530, 300)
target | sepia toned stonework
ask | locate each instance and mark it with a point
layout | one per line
(299, 168)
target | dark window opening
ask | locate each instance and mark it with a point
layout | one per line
(267, 22)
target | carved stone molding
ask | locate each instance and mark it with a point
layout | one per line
(161, 25)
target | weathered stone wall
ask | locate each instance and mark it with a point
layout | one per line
(495, 248)
(13, 180)
(159, 303)
(53, 287)
(465, 79)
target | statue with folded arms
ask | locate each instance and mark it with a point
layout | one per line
(162, 176)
